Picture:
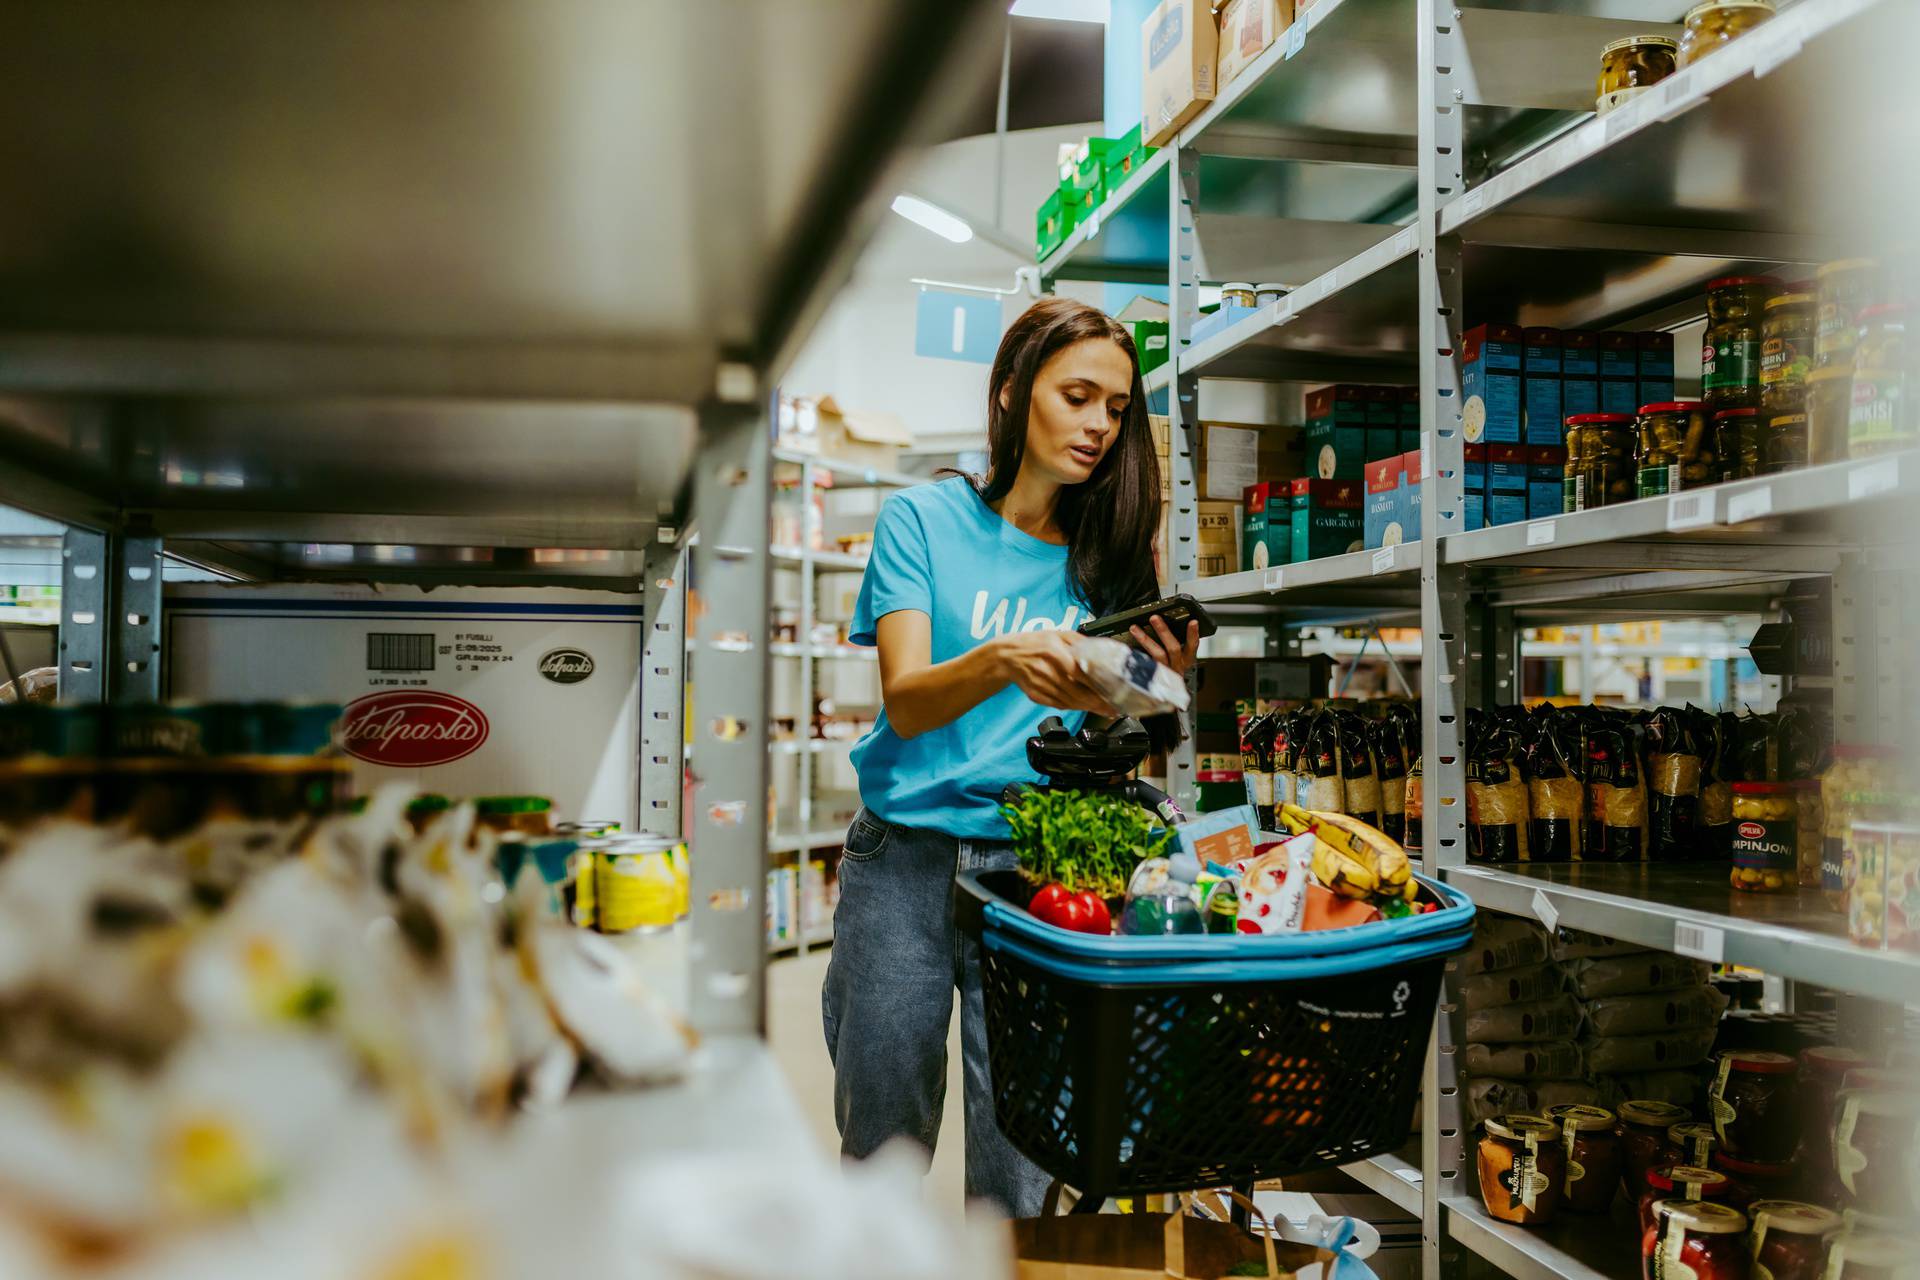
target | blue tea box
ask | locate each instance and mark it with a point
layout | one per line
(1506, 468)
(1384, 520)
(1506, 508)
(1579, 353)
(1579, 395)
(1621, 397)
(1490, 381)
(1410, 500)
(1656, 354)
(1546, 470)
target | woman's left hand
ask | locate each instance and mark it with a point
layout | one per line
(1164, 647)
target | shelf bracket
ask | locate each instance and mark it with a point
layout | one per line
(109, 617)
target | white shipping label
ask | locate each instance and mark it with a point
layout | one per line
(1543, 908)
(464, 691)
(1701, 941)
(1750, 505)
(1233, 463)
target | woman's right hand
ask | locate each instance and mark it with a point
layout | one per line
(1042, 665)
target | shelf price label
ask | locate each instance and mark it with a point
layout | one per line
(1689, 510)
(1272, 581)
(1540, 532)
(1549, 915)
(1296, 37)
(1750, 505)
(1383, 560)
(1875, 477)
(1701, 941)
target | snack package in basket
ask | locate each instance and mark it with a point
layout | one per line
(1273, 888)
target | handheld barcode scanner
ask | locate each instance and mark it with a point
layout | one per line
(1096, 759)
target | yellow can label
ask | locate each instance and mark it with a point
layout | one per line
(635, 891)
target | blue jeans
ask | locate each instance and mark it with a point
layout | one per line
(897, 960)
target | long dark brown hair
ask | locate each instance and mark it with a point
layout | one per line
(1110, 519)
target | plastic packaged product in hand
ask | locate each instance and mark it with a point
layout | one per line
(1128, 679)
(1628, 975)
(1512, 986)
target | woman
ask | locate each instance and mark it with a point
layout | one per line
(973, 595)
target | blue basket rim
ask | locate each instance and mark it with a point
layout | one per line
(1455, 917)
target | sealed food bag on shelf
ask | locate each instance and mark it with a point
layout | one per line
(1673, 787)
(1502, 942)
(1390, 761)
(1716, 787)
(1557, 1018)
(1629, 975)
(1512, 986)
(1578, 944)
(1318, 783)
(1490, 1097)
(1359, 772)
(1496, 795)
(1556, 796)
(1616, 825)
(1415, 811)
(1681, 1009)
(1543, 1060)
(1663, 1051)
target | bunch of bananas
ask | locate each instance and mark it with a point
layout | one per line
(1351, 858)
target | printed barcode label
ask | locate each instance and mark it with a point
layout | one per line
(1877, 477)
(1383, 560)
(1272, 580)
(1403, 243)
(1543, 908)
(1689, 510)
(1540, 533)
(399, 651)
(1702, 942)
(1475, 199)
(1750, 505)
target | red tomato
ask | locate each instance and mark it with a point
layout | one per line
(1094, 916)
(1080, 912)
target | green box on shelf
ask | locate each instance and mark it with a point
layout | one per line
(1327, 518)
(1150, 338)
(1335, 450)
(1053, 222)
(1124, 157)
(1083, 197)
(1088, 164)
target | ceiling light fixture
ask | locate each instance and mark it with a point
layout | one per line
(933, 218)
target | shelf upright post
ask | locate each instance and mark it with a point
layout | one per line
(1183, 422)
(109, 617)
(663, 691)
(1502, 678)
(1444, 634)
(732, 566)
(803, 721)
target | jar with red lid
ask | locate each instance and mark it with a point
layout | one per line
(1874, 1136)
(1682, 1182)
(1695, 1240)
(1696, 1142)
(1522, 1169)
(1788, 1239)
(1824, 1072)
(1593, 1156)
(1752, 1100)
(1854, 1254)
(1870, 1078)
(1749, 1180)
(1644, 1143)
(1737, 443)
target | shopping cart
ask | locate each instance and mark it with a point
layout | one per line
(1135, 1065)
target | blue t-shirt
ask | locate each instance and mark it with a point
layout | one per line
(939, 549)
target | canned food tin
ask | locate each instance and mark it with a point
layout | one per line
(635, 884)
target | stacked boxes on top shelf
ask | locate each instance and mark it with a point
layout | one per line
(1090, 171)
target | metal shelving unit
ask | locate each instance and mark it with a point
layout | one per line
(810, 563)
(544, 360)
(1471, 182)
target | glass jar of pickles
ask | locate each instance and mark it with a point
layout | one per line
(1783, 445)
(1842, 290)
(1600, 468)
(1632, 65)
(1786, 352)
(1673, 450)
(1736, 444)
(1829, 410)
(1879, 419)
(1710, 26)
(1239, 293)
(1766, 848)
(1730, 359)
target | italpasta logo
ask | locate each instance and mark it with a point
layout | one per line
(412, 729)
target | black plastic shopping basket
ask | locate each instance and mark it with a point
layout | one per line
(1131, 1065)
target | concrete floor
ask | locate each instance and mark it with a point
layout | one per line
(799, 1046)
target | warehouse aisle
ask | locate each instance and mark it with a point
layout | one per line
(793, 1029)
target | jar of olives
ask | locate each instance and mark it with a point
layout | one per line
(1829, 409)
(1783, 447)
(1600, 465)
(1786, 352)
(1842, 290)
(1736, 444)
(1709, 26)
(1878, 419)
(1673, 450)
(1766, 846)
(1630, 66)
(1730, 360)
(1857, 769)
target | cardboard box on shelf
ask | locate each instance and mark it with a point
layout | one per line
(1579, 373)
(1620, 372)
(1128, 152)
(862, 437)
(1410, 503)
(1383, 522)
(1540, 392)
(1217, 523)
(1546, 473)
(1473, 480)
(1247, 27)
(1178, 45)
(1326, 517)
(1490, 383)
(1146, 320)
(1268, 525)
